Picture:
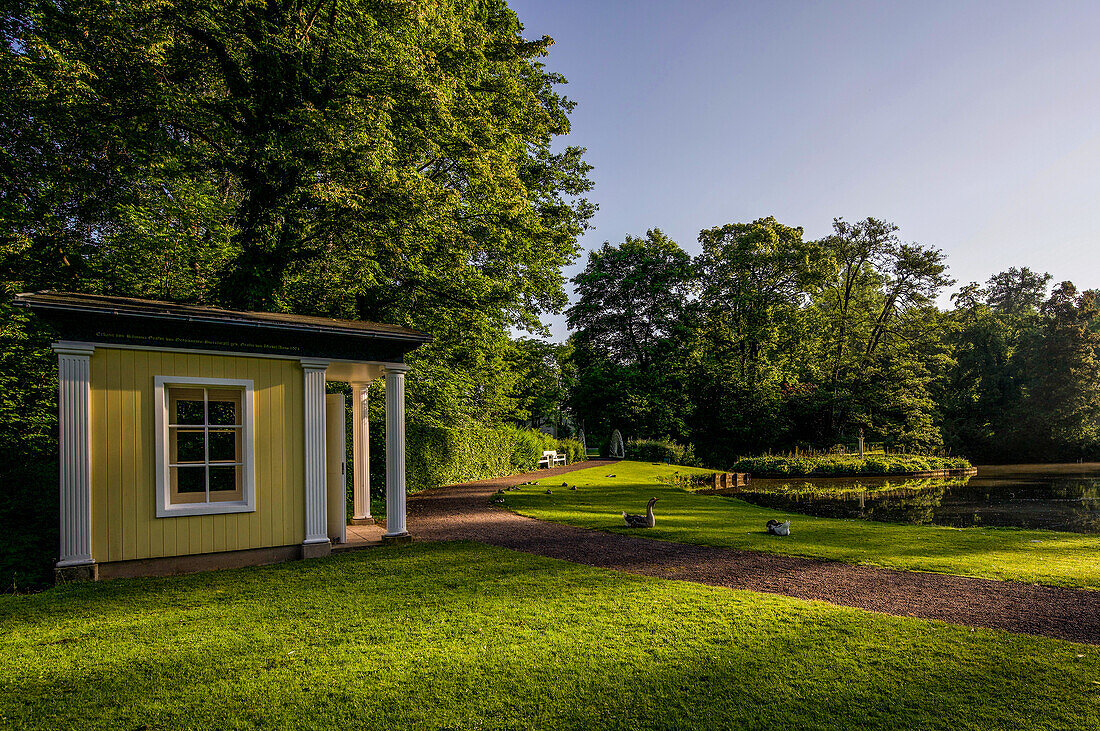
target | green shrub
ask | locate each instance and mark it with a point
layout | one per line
(439, 455)
(836, 465)
(572, 450)
(526, 450)
(654, 450)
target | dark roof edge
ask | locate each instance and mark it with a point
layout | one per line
(30, 301)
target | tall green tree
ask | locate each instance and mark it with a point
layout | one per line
(882, 334)
(325, 148)
(544, 377)
(751, 360)
(755, 279)
(631, 296)
(981, 392)
(1016, 291)
(1061, 408)
(628, 322)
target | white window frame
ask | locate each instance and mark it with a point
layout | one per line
(247, 504)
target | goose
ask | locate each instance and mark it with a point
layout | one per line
(776, 528)
(641, 521)
(548, 492)
(572, 487)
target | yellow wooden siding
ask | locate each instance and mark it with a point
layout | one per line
(124, 470)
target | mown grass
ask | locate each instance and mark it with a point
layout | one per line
(464, 636)
(1047, 557)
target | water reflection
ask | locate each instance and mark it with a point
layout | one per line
(1062, 497)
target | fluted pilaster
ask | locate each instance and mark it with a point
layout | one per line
(75, 424)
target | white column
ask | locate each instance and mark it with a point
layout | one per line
(360, 451)
(395, 450)
(315, 482)
(75, 422)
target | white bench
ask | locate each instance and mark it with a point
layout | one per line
(551, 459)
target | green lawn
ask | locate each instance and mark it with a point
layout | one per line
(1047, 557)
(465, 636)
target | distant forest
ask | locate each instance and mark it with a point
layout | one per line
(766, 341)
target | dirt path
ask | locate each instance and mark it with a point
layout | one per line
(463, 512)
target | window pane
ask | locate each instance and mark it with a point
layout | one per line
(225, 483)
(185, 406)
(186, 445)
(224, 406)
(225, 445)
(189, 483)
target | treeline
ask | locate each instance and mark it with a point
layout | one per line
(768, 341)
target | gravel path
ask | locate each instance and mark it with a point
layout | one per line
(463, 512)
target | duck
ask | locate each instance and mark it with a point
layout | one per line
(776, 528)
(641, 521)
(549, 492)
(572, 487)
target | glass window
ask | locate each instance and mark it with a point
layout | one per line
(205, 445)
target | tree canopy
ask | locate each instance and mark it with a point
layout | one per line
(375, 159)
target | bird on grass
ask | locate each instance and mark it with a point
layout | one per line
(776, 528)
(572, 487)
(548, 492)
(498, 500)
(641, 521)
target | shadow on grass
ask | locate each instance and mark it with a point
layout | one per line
(462, 635)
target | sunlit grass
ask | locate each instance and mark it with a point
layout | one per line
(1048, 557)
(465, 636)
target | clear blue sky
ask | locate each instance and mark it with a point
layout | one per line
(975, 127)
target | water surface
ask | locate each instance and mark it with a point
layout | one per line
(1063, 497)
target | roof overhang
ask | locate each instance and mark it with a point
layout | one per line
(149, 323)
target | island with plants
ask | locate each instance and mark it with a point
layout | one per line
(851, 465)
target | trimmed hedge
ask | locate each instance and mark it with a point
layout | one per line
(440, 455)
(841, 465)
(655, 450)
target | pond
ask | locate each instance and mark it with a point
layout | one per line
(1063, 497)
